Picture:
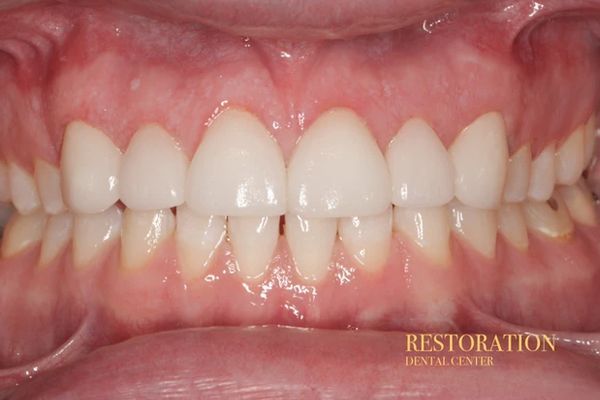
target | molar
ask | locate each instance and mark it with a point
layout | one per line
(517, 176)
(4, 183)
(238, 169)
(580, 203)
(549, 218)
(22, 190)
(93, 233)
(590, 140)
(57, 233)
(421, 171)
(476, 226)
(480, 157)
(254, 240)
(47, 178)
(153, 171)
(22, 232)
(570, 158)
(90, 165)
(511, 225)
(543, 175)
(337, 170)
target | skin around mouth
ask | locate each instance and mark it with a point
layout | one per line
(390, 154)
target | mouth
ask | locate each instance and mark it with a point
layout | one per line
(265, 200)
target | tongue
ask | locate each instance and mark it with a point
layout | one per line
(267, 362)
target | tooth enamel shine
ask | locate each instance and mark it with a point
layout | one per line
(254, 240)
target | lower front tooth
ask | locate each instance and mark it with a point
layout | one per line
(428, 229)
(197, 239)
(549, 217)
(56, 236)
(93, 233)
(580, 203)
(22, 189)
(476, 226)
(143, 232)
(311, 243)
(254, 240)
(511, 224)
(22, 232)
(367, 239)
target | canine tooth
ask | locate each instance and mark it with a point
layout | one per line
(238, 169)
(511, 224)
(517, 176)
(480, 157)
(367, 239)
(90, 169)
(93, 233)
(56, 236)
(47, 178)
(580, 203)
(476, 226)
(550, 218)
(311, 243)
(421, 171)
(428, 228)
(254, 240)
(4, 183)
(22, 190)
(337, 170)
(153, 171)
(197, 239)
(543, 175)
(143, 232)
(22, 232)
(569, 158)
(590, 140)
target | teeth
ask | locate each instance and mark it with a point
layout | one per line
(569, 158)
(477, 227)
(511, 224)
(22, 189)
(480, 157)
(4, 185)
(22, 232)
(580, 203)
(143, 232)
(428, 229)
(421, 170)
(541, 183)
(517, 176)
(56, 236)
(153, 171)
(337, 170)
(197, 239)
(311, 244)
(590, 140)
(90, 169)
(367, 239)
(254, 241)
(93, 233)
(47, 178)
(549, 217)
(238, 169)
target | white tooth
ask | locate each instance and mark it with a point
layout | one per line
(480, 157)
(580, 203)
(476, 226)
(143, 233)
(197, 239)
(311, 243)
(420, 167)
(428, 228)
(517, 176)
(550, 218)
(153, 171)
(337, 170)
(90, 169)
(511, 224)
(22, 190)
(94, 233)
(4, 183)
(590, 140)
(47, 178)
(569, 158)
(254, 240)
(22, 232)
(56, 236)
(367, 239)
(541, 182)
(238, 169)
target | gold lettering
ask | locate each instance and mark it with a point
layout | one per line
(549, 340)
(438, 343)
(411, 339)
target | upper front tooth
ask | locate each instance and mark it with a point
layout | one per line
(238, 169)
(590, 139)
(254, 240)
(480, 156)
(517, 176)
(47, 178)
(90, 169)
(421, 170)
(4, 183)
(543, 176)
(569, 158)
(22, 189)
(337, 170)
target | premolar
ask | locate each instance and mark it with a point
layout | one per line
(543, 175)
(22, 190)
(254, 240)
(476, 226)
(570, 158)
(47, 177)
